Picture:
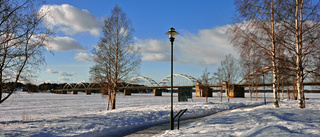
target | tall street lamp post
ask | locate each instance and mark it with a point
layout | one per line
(171, 34)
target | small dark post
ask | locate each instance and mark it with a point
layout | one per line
(181, 112)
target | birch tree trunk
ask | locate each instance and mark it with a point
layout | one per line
(298, 24)
(274, 65)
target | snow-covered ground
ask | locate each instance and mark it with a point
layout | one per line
(46, 114)
(259, 121)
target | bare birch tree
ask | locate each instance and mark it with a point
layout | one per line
(114, 55)
(205, 80)
(227, 71)
(288, 31)
(259, 30)
(23, 40)
(302, 22)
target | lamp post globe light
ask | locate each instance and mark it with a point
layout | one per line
(172, 32)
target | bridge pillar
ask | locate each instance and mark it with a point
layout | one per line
(75, 92)
(157, 92)
(88, 92)
(226, 87)
(127, 92)
(104, 92)
(236, 92)
(203, 91)
(64, 92)
(198, 90)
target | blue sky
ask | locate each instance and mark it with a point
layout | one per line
(202, 41)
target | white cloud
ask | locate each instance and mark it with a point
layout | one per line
(51, 81)
(64, 44)
(71, 20)
(51, 71)
(155, 57)
(153, 50)
(64, 79)
(84, 57)
(207, 47)
(61, 73)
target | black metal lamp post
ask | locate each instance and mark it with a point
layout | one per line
(171, 34)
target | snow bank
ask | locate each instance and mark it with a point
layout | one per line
(266, 120)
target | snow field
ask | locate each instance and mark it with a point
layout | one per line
(46, 114)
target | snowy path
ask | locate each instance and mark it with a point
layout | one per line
(160, 129)
(148, 117)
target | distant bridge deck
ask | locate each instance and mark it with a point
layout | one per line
(96, 86)
(193, 86)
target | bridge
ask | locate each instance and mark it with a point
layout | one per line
(149, 84)
(158, 87)
(180, 81)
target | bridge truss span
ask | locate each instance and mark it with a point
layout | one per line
(69, 86)
(137, 79)
(93, 84)
(165, 80)
(81, 84)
